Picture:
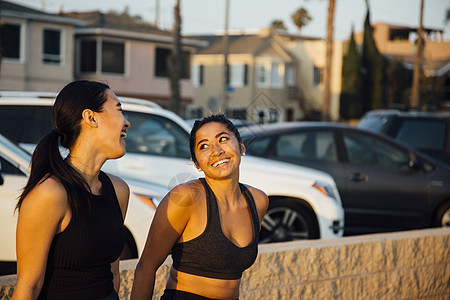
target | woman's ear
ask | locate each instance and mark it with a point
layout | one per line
(89, 118)
(242, 149)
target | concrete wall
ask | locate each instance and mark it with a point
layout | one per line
(402, 265)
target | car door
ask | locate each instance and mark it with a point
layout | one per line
(12, 183)
(384, 193)
(314, 148)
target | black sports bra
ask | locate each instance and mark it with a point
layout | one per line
(212, 254)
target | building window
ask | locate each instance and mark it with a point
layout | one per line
(317, 76)
(290, 76)
(88, 56)
(270, 75)
(110, 54)
(197, 75)
(51, 46)
(163, 60)
(261, 76)
(113, 57)
(10, 41)
(238, 75)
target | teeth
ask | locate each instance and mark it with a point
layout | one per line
(123, 135)
(221, 162)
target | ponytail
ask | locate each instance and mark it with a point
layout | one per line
(47, 161)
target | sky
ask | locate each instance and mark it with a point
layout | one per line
(208, 16)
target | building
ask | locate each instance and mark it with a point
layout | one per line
(399, 42)
(46, 51)
(37, 49)
(272, 76)
(132, 56)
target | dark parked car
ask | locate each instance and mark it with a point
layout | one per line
(426, 131)
(384, 185)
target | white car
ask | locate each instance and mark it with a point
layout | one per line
(304, 203)
(14, 172)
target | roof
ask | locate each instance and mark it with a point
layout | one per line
(237, 44)
(99, 19)
(96, 23)
(17, 11)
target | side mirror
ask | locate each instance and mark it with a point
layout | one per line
(414, 164)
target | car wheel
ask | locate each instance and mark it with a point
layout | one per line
(443, 216)
(287, 221)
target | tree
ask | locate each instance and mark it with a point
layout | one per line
(350, 99)
(125, 14)
(301, 17)
(372, 68)
(278, 24)
(398, 81)
(175, 63)
(415, 89)
(328, 63)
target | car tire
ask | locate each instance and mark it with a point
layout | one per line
(287, 220)
(443, 216)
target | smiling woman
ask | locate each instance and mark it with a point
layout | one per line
(70, 228)
(211, 225)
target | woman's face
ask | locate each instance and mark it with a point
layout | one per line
(112, 126)
(217, 150)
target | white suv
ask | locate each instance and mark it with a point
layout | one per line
(304, 203)
(14, 172)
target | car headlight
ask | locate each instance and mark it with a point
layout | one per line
(325, 189)
(150, 200)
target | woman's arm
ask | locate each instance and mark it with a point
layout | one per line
(116, 275)
(169, 222)
(123, 196)
(44, 212)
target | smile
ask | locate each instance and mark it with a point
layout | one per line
(220, 162)
(123, 135)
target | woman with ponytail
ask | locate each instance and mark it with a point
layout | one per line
(70, 225)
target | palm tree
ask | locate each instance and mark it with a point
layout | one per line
(301, 17)
(175, 63)
(278, 24)
(415, 89)
(328, 62)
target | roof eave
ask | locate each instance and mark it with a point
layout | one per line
(135, 35)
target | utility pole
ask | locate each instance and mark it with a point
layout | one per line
(415, 89)
(225, 59)
(156, 22)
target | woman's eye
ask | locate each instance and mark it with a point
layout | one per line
(223, 139)
(202, 147)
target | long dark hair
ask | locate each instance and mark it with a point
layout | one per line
(219, 118)
(46, 160)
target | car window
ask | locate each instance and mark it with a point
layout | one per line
(258, 146)
(13, 121)
(152, 134)
(423, 134)
(25, 124)
(375, 122)
(317, 145)
(7, 168)
(39, 125)
(366, 150)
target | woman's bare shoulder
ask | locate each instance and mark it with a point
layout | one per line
(48, 195)
(186, 195)
(261, 200)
